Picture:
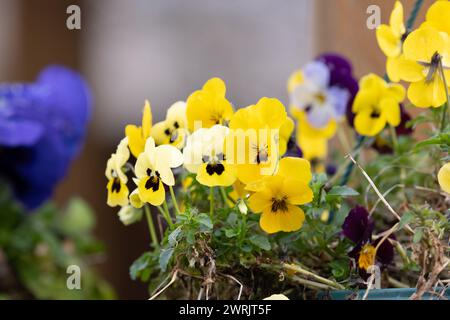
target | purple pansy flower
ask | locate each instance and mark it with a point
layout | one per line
(327, 90)
(42, 128)
(358, 227)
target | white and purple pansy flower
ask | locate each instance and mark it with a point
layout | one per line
(317, 98)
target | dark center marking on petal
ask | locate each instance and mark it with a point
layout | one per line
(217, 168)
(152, 183)
(167, 132)
(375, 114)
(279, 205)
(176, 125)
(116, 185)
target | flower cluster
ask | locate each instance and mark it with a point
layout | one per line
(221, 148)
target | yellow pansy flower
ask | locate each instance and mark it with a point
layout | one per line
(205, 156)
(154, 169)
(117, 179)
(255, 136)
(444, 177)
(173, 130)
(138, 135)
(208, 106)
(424, 50)
(390, 39)
(277, 197)
(376, 104)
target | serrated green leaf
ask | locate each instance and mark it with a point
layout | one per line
(164, 258)
(204, 220)
(260, 241)
(173, 237)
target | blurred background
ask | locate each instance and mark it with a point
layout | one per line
(164, 50)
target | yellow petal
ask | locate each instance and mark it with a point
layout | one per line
(146, 120)
(438, 15)
(295, 168)
(259, 201)
(136, 142)
(306, 129)
(396, 20)
(407, 70)
(215, 86)
(117, 193)
(285, 134)
(395, 91)
(425, 94)
(422, 44)
(312, 147)
(391, 69)
(297, 191)
(444, 177)
(151, 190)
(391, 110)
(135, 200)
(270, 112)
(288, 221)
(212, 175)
(367, 125)
(389, 42)
(295, 79)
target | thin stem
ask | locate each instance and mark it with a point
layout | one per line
(444, 110)
(211, 201)
(151, 227)
(394, 137)
(166, 215)
(174, 200)
(314, 276)
(413, 15)
(224, 195)
(343, 139)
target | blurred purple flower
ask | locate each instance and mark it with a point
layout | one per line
(42, 128)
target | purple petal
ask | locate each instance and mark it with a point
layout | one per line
(358, 226)
(14, 133)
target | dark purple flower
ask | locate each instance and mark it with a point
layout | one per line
(42, 128)
(358, 227)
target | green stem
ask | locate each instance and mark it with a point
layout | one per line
(211, 201)
(151, 227)
(394, 138)
(224, 195)
(167, 215)
(174, 200)
(413, 15)
(445, 107)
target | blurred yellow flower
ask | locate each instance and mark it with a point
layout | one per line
(208, 106)
(255, 136)
(117, 179)
(173, 130)
(138, 135)
(205, 156)
(390, 38)
(376, 104)
(425, 52)
(153, 168)
(444, 177)
(277, 197)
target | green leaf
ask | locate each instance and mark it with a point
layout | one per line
(173, 237)
(418, 235)
(407, 217)
(230, 233)
(204, 220)
(342, 191)
(164, 258)
(260, 241)
(138, 265)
